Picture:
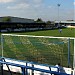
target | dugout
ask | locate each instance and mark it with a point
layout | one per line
(11, 26)
(9, 23)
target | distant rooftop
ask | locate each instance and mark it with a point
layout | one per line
(65, 21)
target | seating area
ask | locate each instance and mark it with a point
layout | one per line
(25, 69)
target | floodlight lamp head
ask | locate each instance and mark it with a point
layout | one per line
(58, 5)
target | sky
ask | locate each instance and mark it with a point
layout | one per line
(33, 9)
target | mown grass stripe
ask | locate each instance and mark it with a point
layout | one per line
(54, 49)
(7, 48)
(38, 50)
(12, 46)
(19, 46)
(42, 50)
(7, 52)
(28, 49)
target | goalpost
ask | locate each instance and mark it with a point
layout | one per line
(74, 57)
(41, 49)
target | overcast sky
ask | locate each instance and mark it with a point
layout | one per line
(33, 9)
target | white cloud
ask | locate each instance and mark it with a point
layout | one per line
(6, 1)
(49, 6)
(40, 5)
(74, 3)
(38, 1)
(19, 6)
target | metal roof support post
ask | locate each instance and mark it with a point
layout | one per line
(58, 15)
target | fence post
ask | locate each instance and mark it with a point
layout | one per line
(23, 70)
(1, 69)
(26, 72)
(74, 58)
(69, 52)
(32, 69)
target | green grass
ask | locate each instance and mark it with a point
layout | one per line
(67, 32)
(41, 53)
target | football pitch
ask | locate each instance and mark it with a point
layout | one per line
(30, 49)
(67, 32)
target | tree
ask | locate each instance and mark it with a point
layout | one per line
(39, 20)
(48, 22)
(6, 19)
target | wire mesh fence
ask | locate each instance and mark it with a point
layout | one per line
(44, 50)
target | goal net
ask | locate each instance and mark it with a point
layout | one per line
(40, 49)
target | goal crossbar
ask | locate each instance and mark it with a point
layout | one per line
(38, 36)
